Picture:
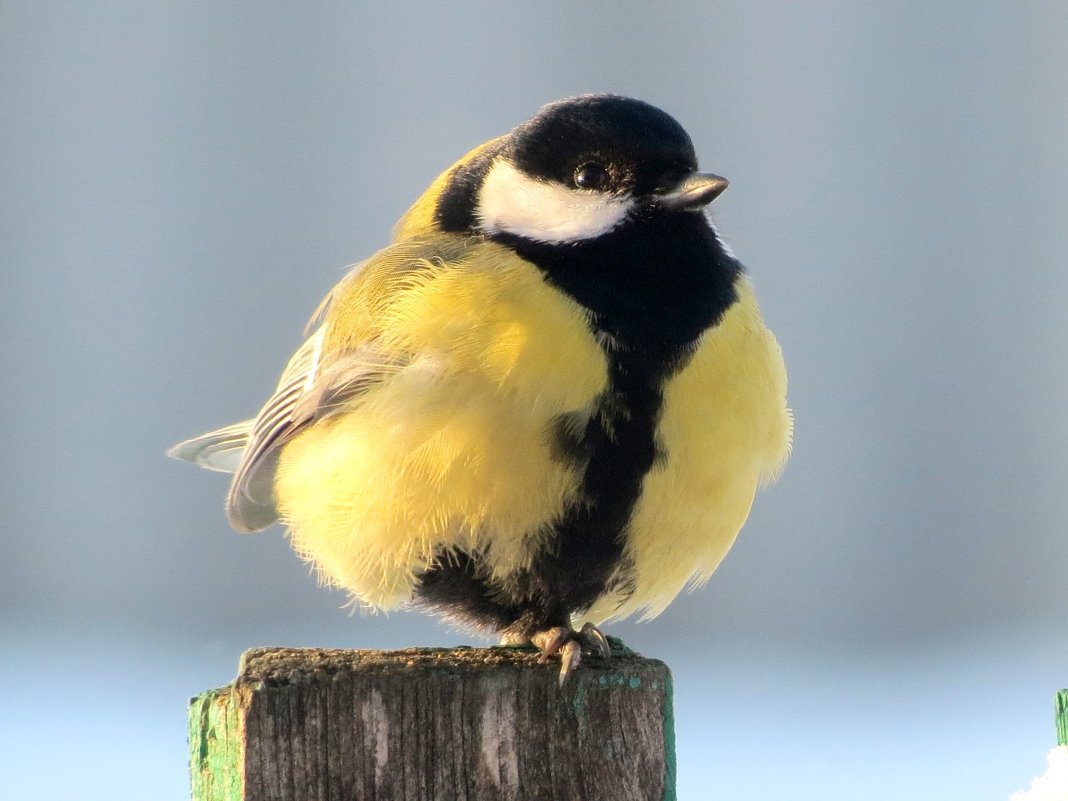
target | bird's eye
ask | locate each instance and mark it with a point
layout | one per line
(591, 175)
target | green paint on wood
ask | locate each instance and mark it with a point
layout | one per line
(616, 646)
(633, 681)
(669, 738)
(1061, 706)
(214, 747)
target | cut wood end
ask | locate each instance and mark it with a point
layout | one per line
(278, 665)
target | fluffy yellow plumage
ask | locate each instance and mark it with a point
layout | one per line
(450, 450)
(551, 401)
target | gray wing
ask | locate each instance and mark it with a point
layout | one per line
(311, 388)
(250, 504)
(308, 392)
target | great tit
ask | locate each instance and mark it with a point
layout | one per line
(548, 402)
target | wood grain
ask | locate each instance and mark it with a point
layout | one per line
(419, 724)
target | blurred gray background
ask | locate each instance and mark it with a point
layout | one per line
(180, 183)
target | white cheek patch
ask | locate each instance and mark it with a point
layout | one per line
(515, 203)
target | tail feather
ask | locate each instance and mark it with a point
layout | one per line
(217, 450)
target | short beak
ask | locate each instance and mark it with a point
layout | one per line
(693, 192)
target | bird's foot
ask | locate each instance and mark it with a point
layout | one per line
(568, 644)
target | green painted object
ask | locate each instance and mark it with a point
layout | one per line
(669, 738)
(216, 747)
(1061, 711)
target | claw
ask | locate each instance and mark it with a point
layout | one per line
(570, 656)
(550, 641)
(568, 644)
(595, 639)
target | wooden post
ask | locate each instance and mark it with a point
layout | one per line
(1061, 712)
(434, 725)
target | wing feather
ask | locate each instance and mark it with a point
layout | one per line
(312, 387)
(250, 505)
(309, 392)
(217, 450)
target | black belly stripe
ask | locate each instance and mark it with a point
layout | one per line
(648, 306)
(619, 448)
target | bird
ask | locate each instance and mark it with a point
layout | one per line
(546, 404)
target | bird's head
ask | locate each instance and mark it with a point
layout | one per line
(578, 170)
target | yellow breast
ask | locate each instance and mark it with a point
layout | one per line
(725, 429)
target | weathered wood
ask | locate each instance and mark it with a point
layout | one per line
(1061, 714)
(420, 724)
